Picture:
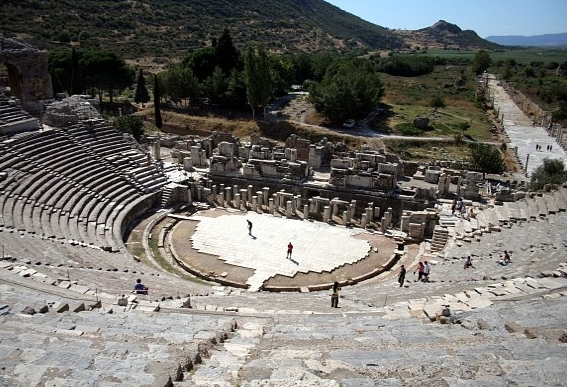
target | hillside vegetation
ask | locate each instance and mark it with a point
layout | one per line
(166, 30)
(174, 27)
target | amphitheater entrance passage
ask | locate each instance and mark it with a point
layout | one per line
(10, 80)
(25, 72)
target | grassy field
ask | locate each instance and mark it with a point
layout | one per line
(520, 55)
(426, 151)
(408, 98)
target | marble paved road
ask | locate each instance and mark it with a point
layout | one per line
(522, 134)
(317, 246)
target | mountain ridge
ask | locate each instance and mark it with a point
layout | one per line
(545, 40)
(167, 29)
(443, 34)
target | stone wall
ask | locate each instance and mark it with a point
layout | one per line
(27, 73)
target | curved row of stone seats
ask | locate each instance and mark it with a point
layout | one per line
(78, 184)
(119, 154)
(10, 112)
(535, 247)
(347, 339)
(494, 218)
(99, 137)
(366, 350)
(73, 344)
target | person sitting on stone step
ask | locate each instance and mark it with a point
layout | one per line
(140, 288)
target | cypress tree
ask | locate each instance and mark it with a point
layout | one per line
(156, 103)
(258, 78)
(75, 74)
(142, 96)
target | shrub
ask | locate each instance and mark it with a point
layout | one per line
(437, 102)
(407, 129)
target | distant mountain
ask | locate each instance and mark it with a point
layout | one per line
(547, 40)
(445, 35)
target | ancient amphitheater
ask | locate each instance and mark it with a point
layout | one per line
(85, 211)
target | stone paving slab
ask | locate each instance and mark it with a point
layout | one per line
(317, 246)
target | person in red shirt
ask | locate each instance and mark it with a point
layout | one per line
(419, 271)
(289, 250)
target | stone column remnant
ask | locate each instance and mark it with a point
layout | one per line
(237, 201)
(326, 214)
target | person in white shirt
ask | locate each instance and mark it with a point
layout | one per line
(426, 270)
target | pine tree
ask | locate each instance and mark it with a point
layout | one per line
(142, 96)
(156, 103)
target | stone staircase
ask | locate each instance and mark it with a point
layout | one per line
(439, 239)
(222, 365)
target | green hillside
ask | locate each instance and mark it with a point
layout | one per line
(170, 28)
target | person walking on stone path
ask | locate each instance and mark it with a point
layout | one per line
(468, 263)
(419, 271)
(426, 270)
(335, 295)
(249, 227)
(453, 206)
(289, 250)
(402, 276)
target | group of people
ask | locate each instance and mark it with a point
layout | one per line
(423, 270)
(549, 147)
(459, 207)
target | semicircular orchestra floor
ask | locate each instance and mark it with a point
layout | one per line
(218, 242)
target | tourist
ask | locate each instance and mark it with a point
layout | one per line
(453, 206)
(507, 257)
(335, 295)
(140, 288)
(289, 250)
(249, 227)
(468, 263)
(471, 214)
(426, 270)
(504, 259)
(402, 276)
(460, 205)
(419, 271)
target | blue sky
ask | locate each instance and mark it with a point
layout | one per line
(485, 17)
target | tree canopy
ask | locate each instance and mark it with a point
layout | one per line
(552, 171)
(348, 90)
(130, 124)
(99, 69)
(487, 158)
(406, 66)
(481, 62)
